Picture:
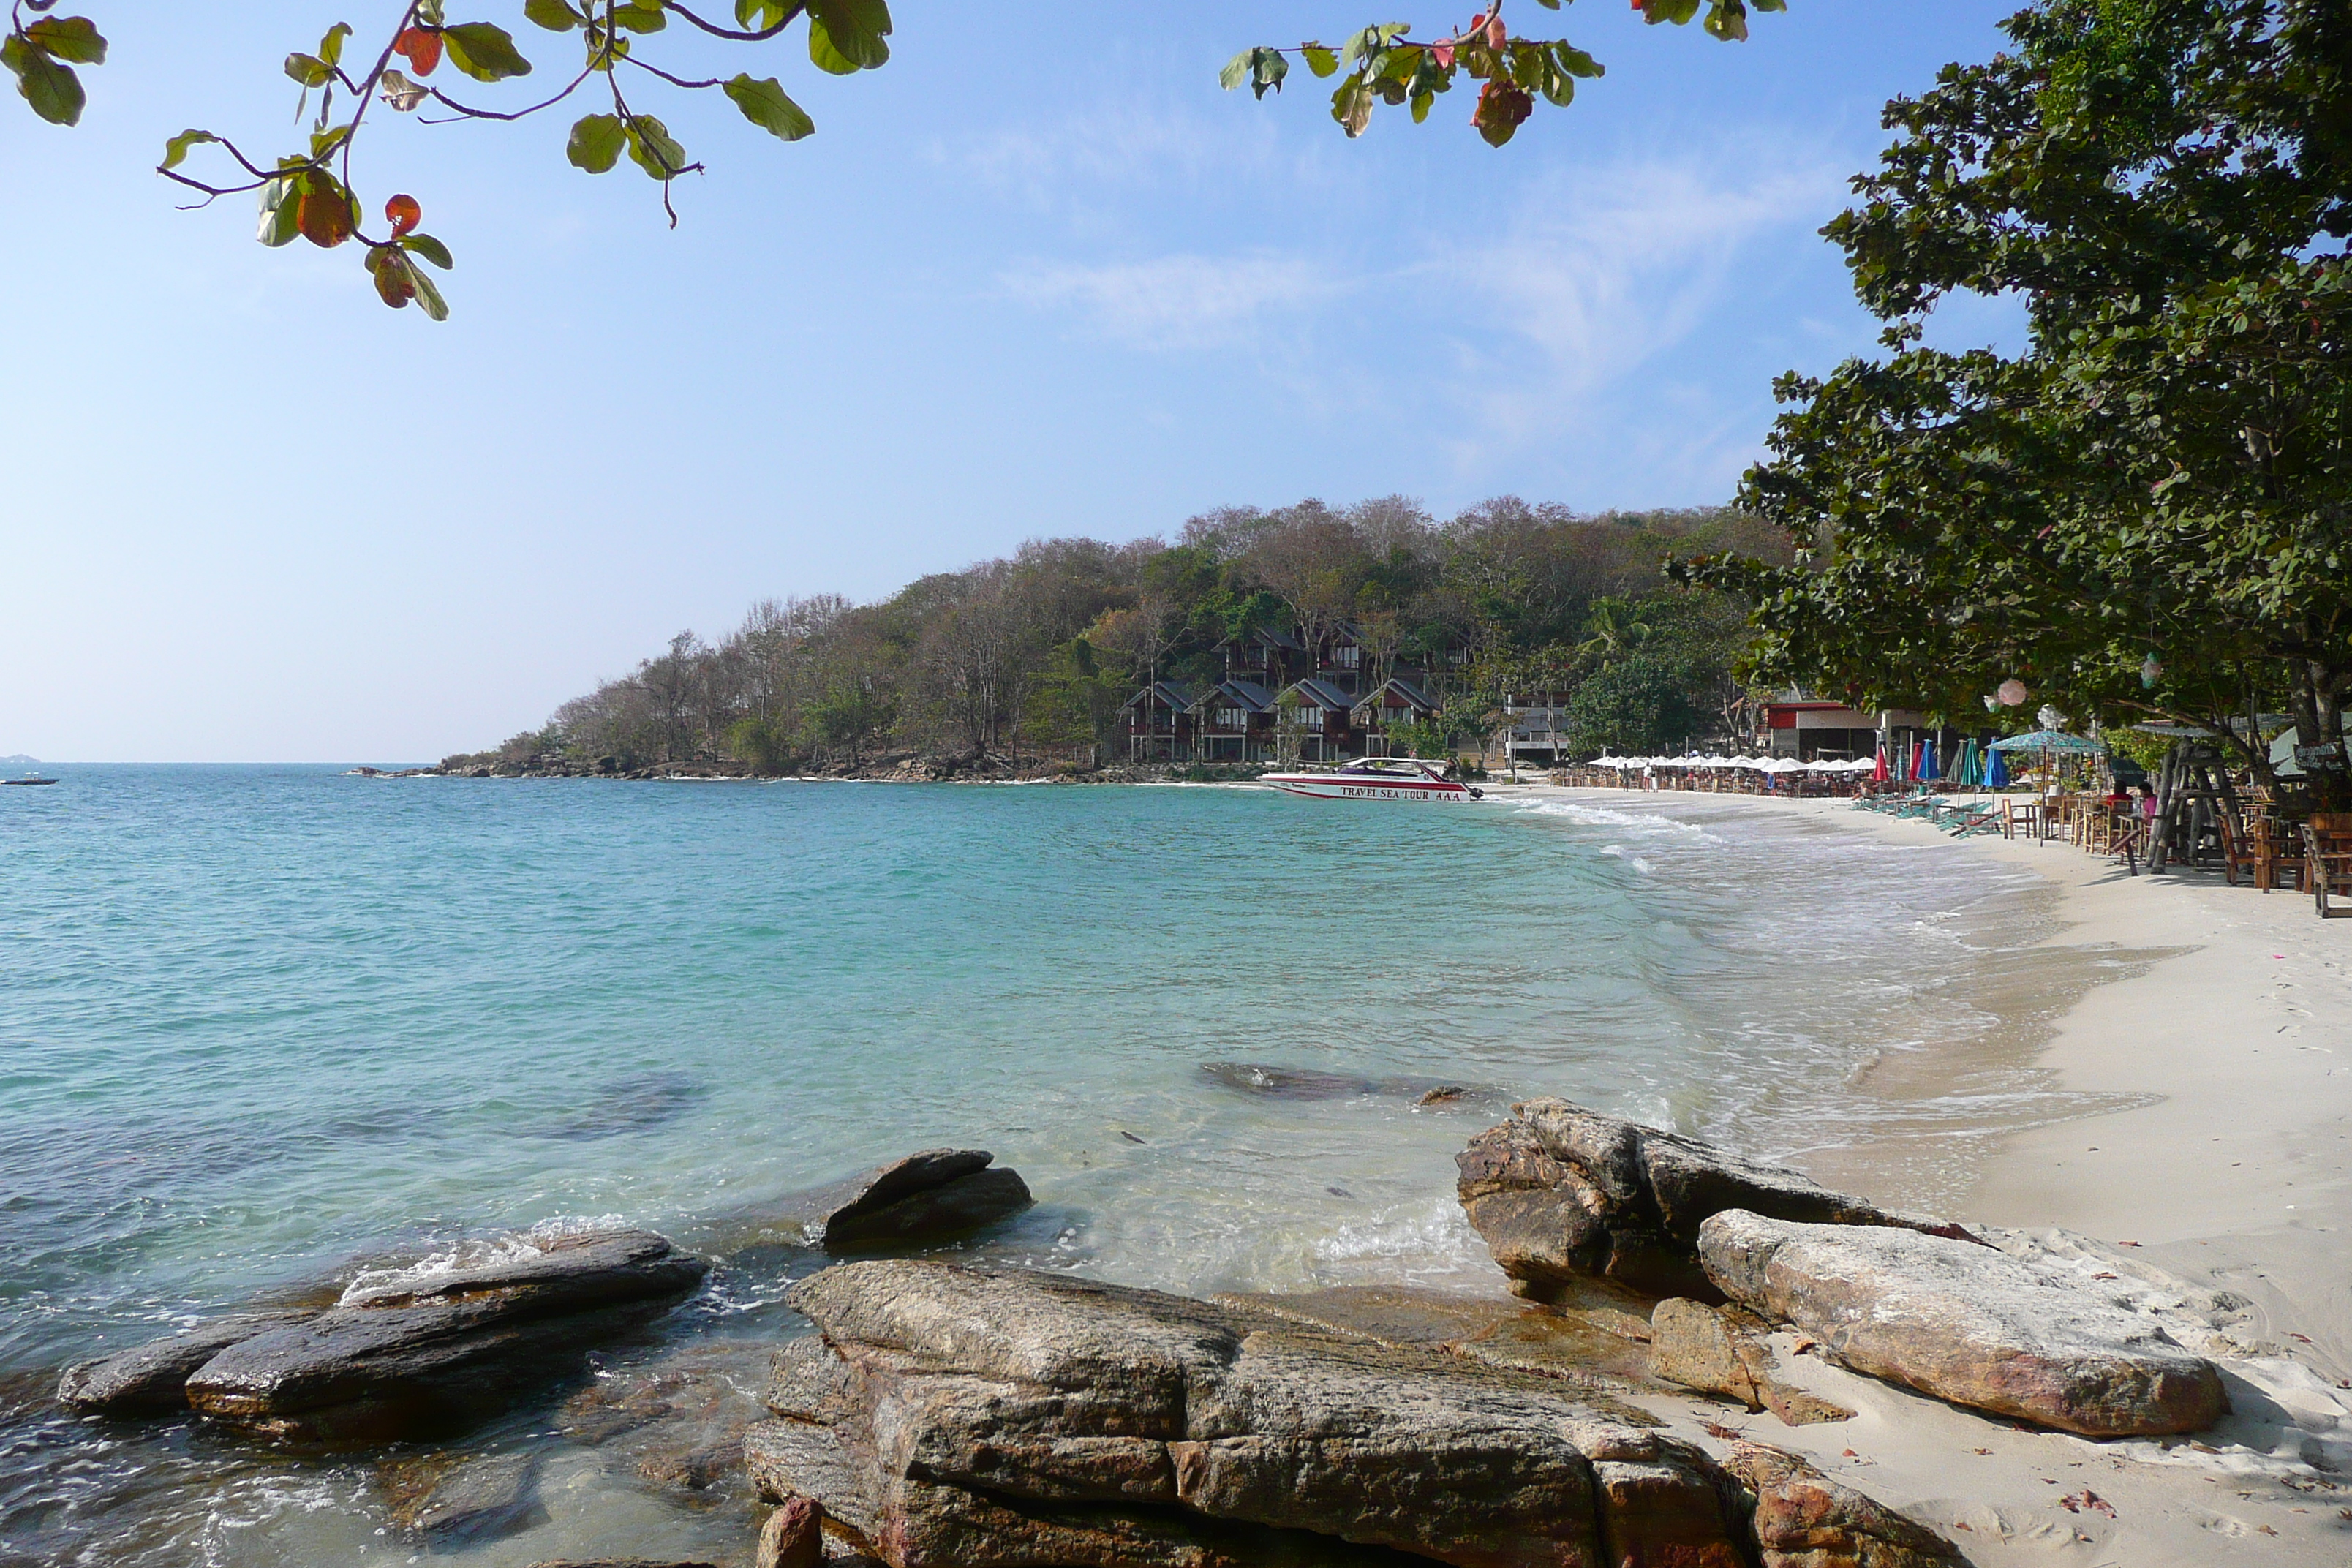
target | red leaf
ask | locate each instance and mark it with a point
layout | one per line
(324, 217)
(423, 48)
(403, 215)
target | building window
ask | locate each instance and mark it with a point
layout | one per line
(1345, 656)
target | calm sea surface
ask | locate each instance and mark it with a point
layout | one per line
(261, 1025)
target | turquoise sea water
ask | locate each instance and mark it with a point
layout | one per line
(260, 1025)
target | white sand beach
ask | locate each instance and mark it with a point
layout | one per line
(2229, 1180)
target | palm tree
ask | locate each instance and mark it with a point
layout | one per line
(1613, 628)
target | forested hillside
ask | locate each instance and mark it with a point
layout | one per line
(1028, 658)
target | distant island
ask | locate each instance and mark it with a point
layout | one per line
(1310, 633)
(19, 759)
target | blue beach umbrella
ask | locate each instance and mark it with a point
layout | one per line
(1925, 768)
(1995, 770)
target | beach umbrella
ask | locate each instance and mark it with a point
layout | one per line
(1878, 769)
(1971, 770)
(1996, 775)
(1924, 768)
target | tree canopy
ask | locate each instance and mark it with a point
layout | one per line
(309, 193)
(1033, 656)
(2143, 515)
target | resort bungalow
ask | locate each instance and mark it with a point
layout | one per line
(1340, 660)
(1312, 722)
(1396, 703)
(1264, 656)
(1233, 721)
(1159, 722)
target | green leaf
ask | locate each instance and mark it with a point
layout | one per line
(596, 143)
(330, 48)
(425, 245)
(1267, 68)
(823, 56)
(176, 149)
(484, 51)
(763, 103)
(652, 149)
(72, 38)
(309, 69)
(1319, 60)
(853, 30)
(53, 90)
(552, 15)
(280, 204)
(428, 297)
(1237, 71)
(640, 16)
(326, 137)
(761, 15)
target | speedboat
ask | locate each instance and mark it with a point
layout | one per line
(1375, 778)
(28, 779)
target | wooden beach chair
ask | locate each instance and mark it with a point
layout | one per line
(2238, 853)
(2327, 858)
(2278, 847)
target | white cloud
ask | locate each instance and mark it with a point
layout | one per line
(1181, 302)
(1602, 275)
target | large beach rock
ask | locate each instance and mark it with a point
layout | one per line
(988, 1418)
(416, 1352)
(1965, 1324)
(1805, 1519)
(1560, 1192)
(1723, 1351)
(926, 1196)
(153, 1379)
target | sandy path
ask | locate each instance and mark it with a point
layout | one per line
(2238, 1177)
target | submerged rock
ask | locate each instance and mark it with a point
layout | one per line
(1804, 1520)
(468, 1501)
(419, 1353)
(677, 1420)
(1965, 1324)
(1310, 1083)
(1559, 1192)
(929, 1195)
(989, 1418)
(153, 1379)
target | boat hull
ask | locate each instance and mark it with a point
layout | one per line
(1335, 786)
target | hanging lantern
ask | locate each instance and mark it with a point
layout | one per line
(1991, 702)
(2151, 669)
(2050, 717)
(2011, 692)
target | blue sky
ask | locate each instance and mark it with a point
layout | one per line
(1037, 276)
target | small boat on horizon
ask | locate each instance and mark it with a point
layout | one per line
(1375, 778)
(27, 780)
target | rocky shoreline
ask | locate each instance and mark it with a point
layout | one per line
(948, 1410)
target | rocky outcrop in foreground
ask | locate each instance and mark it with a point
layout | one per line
(1559, 1192)
(1965, 1324)
(408, 1356)
(926, 1196)
(1804, 1520)
(987, 1418)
